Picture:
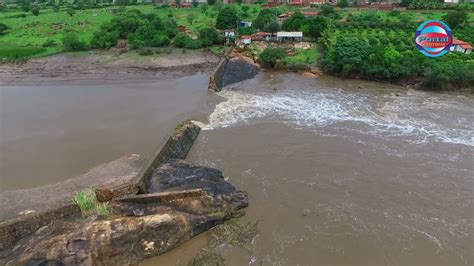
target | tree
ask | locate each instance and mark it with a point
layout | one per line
(328, 11)
(181, 40)
(456, 19)
(294, 23)
(348, 56)
(272, 27)
(3, 28)
(178, 3)
(227, 18)
(266, 16)
(208, 36)
(35, 10)
(211, 2)
(343, 3)
(72, 43)
(315, 26)
(195, 3)
(271, 55)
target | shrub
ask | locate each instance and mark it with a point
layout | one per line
(3, 28)
(49, 43)
(208, 36)
(71, 11)
(195, 3)
(194, 44)
(104, 39)
(181, 40)
(270, 56)
(211, 2)
(72, 43)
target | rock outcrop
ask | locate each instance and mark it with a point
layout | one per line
(183, 200)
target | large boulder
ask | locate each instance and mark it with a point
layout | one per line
(184, 200)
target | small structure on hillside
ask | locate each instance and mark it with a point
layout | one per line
(262, 36)
(285, 16)
(461, 46)
(186, 5)
(300, 3)
(245, 24)
(230, 33)
(292, 36)
(246, 39)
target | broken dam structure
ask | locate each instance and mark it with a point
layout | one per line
(153, 206)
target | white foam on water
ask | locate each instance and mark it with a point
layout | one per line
(416, 117)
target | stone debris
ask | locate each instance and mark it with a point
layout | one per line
(183, 200)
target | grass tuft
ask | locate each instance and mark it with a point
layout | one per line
(89, 205)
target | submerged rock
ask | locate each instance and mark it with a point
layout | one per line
(184, 200)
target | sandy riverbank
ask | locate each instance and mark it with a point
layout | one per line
(98, 67)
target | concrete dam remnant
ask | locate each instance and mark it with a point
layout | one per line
(175, 201)
(231, 70)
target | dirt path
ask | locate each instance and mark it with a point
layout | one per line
(97, 67)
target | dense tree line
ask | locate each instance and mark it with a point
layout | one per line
(381, 57)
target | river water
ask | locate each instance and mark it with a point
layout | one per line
(50, 133)
(338, 172)
(343, 172)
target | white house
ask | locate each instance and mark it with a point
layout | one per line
(229, 33)
(245, 24)
(451, 1)
(289, 36)
(461, 46)
(246, 39)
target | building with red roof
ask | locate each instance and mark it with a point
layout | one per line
(461, 46)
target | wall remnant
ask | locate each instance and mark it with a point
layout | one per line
(176, 146)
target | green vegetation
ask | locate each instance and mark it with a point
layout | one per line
(19, 55)
(3, 28)
(373, 46)
(87, 202)
(264, 18)
(71, 42)
(302, 57)
(227, 18)
(271, 55)
(352, 43)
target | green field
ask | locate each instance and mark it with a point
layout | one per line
(34, 31)
(50, 26)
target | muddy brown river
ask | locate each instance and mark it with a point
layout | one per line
(338, 172)
(50, 133)
(343, 172)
